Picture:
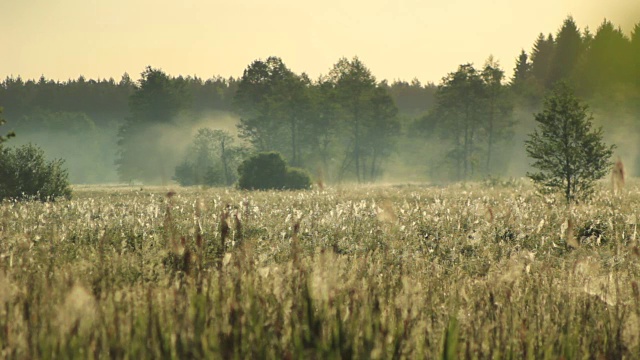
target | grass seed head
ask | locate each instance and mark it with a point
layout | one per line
(386, 213)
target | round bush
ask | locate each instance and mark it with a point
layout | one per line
(25, 174)
(268, 170)
(297, 179)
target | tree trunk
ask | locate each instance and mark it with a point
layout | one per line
(374, 158)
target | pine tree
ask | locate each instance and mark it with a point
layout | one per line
(541, 58)
(608, 61)
(522, 71)
(568, 50)
(569, 154)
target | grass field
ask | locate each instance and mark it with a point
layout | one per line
(370, 272)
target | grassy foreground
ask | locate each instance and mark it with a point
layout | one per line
(371, 272)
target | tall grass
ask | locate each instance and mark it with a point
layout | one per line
(370, 272)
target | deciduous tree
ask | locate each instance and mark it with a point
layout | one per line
(367, 114)
(273, 103)
(154, 107)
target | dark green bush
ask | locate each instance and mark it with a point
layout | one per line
(268, 170)
(297, 179)
(188, 174)
(25, 174)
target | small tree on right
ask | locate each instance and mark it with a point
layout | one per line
(568, 152)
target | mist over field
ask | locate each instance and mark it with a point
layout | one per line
(348, 125)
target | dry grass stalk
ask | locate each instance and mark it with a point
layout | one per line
(490, 214)
(247, 208)
(617, 176)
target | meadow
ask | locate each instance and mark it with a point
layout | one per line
(382, 272)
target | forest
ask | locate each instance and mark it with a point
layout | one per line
(345, 126)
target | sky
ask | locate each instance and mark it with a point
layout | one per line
(397, 40)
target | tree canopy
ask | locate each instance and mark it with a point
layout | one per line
(569, 154)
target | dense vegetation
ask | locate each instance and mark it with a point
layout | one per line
(371, 272)
(346, 125)
(4, 138)
(567, 152)
(268, 170)
(25, 173)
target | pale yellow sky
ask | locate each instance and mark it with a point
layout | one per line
(399, 39)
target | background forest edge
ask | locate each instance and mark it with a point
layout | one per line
(63, 117)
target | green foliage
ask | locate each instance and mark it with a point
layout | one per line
(368, 116)
(412, 98)
(450, 343)
(25, 174)
(262, 171)
(568, 51)
(541, 58)
(209, 160)
(608, 63)
(102, 100)
(473, 114)
(274, 104)
(343, 124)
(143, 150)
(297, 179)
(57, 121)
(60, 134)
(569, 154)
(4, 138)
(268, 170)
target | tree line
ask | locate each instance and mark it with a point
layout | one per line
(344, 125)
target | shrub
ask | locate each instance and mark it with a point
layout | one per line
(297, 179)
(268, 170)
(188, 174)
(25, 174)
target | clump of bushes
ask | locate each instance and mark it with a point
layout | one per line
(268, 170)
(26, 174)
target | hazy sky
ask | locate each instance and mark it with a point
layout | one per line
(399, 39)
